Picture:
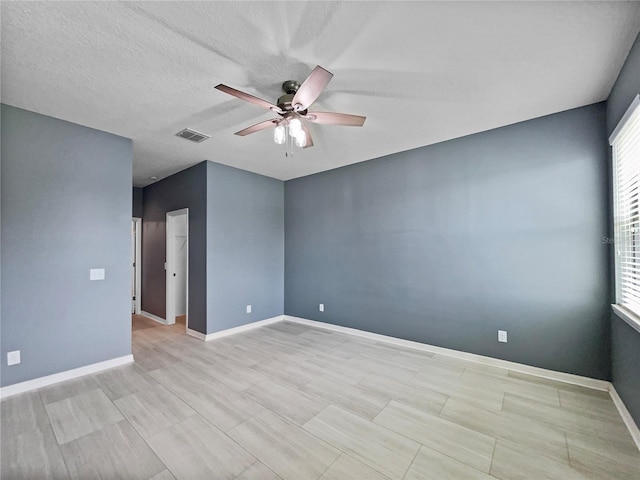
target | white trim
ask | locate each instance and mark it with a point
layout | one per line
(138, 293)
(170, 305)
(29, 385)
(234, 330)
(626, 416)
(471, 357)
(198, 335)
(186, 295)
(244, 328)
(634, 104)
(153, 317)
(627, 315)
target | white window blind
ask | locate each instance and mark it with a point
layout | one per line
(625, 142)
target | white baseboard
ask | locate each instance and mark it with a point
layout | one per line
(198, 335)
(153, 317)
(22, 387)
(471, 357)
(626, 416)
(233, 331)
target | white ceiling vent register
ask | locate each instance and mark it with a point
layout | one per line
(193, 135)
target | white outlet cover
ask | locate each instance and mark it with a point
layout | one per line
(502, 336)
(322, 307)
(13, 358)
(248, 308)
(96, 274)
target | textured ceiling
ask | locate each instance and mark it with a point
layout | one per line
(421, 72)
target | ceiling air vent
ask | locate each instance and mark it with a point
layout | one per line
(192, 135)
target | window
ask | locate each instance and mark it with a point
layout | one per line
(625, 142)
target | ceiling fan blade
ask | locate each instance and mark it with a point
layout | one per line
(258, 126)
(311, 88)
(248, 98)
(309, 141)
(331, 118)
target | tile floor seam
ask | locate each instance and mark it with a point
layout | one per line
(493, 454)
(460, 461)
(412, 439)
(566, 443)
(64, 459)
(158, 455)
(159, 431)
(443, 405)
(330, 465)
(412, 461)
(88, 433)
(245, 421)
(346, 452)
(340, 451)
(201, 413)
(246, 469)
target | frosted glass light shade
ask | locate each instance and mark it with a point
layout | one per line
(295, 127)
(279, 134)
(301, 139)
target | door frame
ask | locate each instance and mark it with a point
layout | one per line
(170, 315)
(137, 221)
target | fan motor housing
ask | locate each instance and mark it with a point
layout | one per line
(284, 102)
(290, 87)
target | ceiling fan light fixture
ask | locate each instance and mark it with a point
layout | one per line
(291, 108)
(279, 134)
(295, 127)
(301, 139)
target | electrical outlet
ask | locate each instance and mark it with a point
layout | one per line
(13, 358)
(248, 308)
(502, 336)
(322, 307)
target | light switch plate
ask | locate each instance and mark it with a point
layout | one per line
(13, 358)
(322, 307)
(96, 274)
(502, 336)
(248, 308)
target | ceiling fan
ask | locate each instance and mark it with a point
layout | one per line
(292, 108)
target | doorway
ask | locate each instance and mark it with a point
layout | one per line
(177, 301)
(136, 229)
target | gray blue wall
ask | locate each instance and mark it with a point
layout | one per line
(66, 208)
(185, 189)
(448, 243)
(236, 245)
(625, 341)
(245, 247)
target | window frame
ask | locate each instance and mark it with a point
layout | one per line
(628, 315)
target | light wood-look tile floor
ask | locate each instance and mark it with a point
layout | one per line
(292, 402)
